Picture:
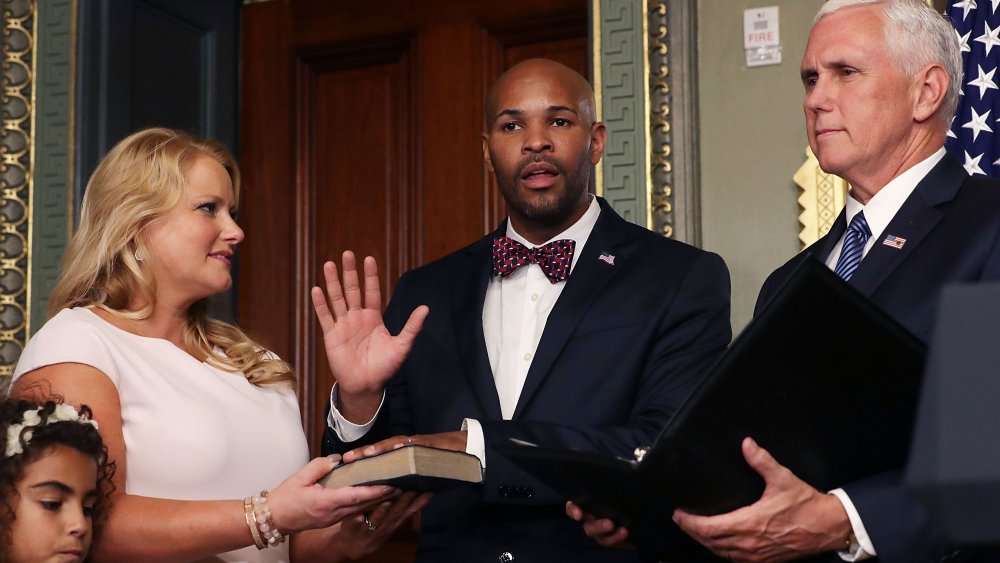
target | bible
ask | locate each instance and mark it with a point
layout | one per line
(411, 468)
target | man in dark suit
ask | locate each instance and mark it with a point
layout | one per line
(877, 112)
(567, 327)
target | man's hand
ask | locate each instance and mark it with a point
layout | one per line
(445, 440)
(602, 530)
(364, 534)
(363, 356)
(791, 520)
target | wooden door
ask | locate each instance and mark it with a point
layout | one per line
(361, 126)
(144, 63)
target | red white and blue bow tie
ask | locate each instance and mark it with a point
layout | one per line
(554, 258)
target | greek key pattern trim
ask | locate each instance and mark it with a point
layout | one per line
(623, 84)
(53, 135)
(631, 76)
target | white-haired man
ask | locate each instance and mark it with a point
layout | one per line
(881, 84)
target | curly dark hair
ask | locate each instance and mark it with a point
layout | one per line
(81, 437)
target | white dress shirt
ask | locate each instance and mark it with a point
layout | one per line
(878, 213)
(515, 311)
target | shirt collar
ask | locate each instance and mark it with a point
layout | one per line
(579, 231)
(884, 205)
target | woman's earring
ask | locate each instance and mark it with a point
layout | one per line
(138, 257)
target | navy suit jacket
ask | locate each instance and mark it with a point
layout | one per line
(951, 223)
(623, 346)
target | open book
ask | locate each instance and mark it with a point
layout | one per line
(411, 467)
(821, 378)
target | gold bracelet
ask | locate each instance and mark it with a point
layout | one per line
(262, 516)
(252, 523)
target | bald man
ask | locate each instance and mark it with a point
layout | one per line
(566, 327)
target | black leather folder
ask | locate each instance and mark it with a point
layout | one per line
(821, 377)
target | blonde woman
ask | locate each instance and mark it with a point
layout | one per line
(198, 417)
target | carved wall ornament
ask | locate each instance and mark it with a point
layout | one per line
(823, 196)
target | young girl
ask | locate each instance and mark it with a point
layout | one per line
(54, 481)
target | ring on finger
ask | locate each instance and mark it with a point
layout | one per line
(409, 440)
(371, 525)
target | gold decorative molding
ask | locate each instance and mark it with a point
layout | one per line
(823, 196)
(661, 198)
(648, 125)
(631, 64)
(16, 176)
(595, 68)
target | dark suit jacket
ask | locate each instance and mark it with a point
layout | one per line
(622, 347)
(951, 223)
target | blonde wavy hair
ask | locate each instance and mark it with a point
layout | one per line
(137, 182)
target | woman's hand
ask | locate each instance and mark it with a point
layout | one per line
(299, 503)
(363, 355)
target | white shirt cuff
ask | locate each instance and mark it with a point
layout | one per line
(475, 441)
(346, 430)
(862, 548)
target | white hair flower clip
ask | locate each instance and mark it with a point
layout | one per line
(33, 418)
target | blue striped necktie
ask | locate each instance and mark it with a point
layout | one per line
(855, 239)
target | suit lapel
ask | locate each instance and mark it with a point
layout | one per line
(914, 220)
(583, 287)
(470, 340)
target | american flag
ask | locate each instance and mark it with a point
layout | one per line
(973, 137)
(894, 242)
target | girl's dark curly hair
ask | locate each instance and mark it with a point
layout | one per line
(81, 437)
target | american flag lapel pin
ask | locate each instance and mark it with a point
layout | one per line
(607, 258)
(893, 241)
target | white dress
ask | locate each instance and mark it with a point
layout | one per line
(192, 432)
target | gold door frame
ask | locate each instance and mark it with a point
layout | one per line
(17, 173)
(37, 149)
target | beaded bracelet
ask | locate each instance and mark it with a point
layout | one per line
(251, 522)
(262, 516)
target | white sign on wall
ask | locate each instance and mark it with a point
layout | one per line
(761, 36)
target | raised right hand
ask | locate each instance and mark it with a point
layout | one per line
(363, 355)
(299, 503)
